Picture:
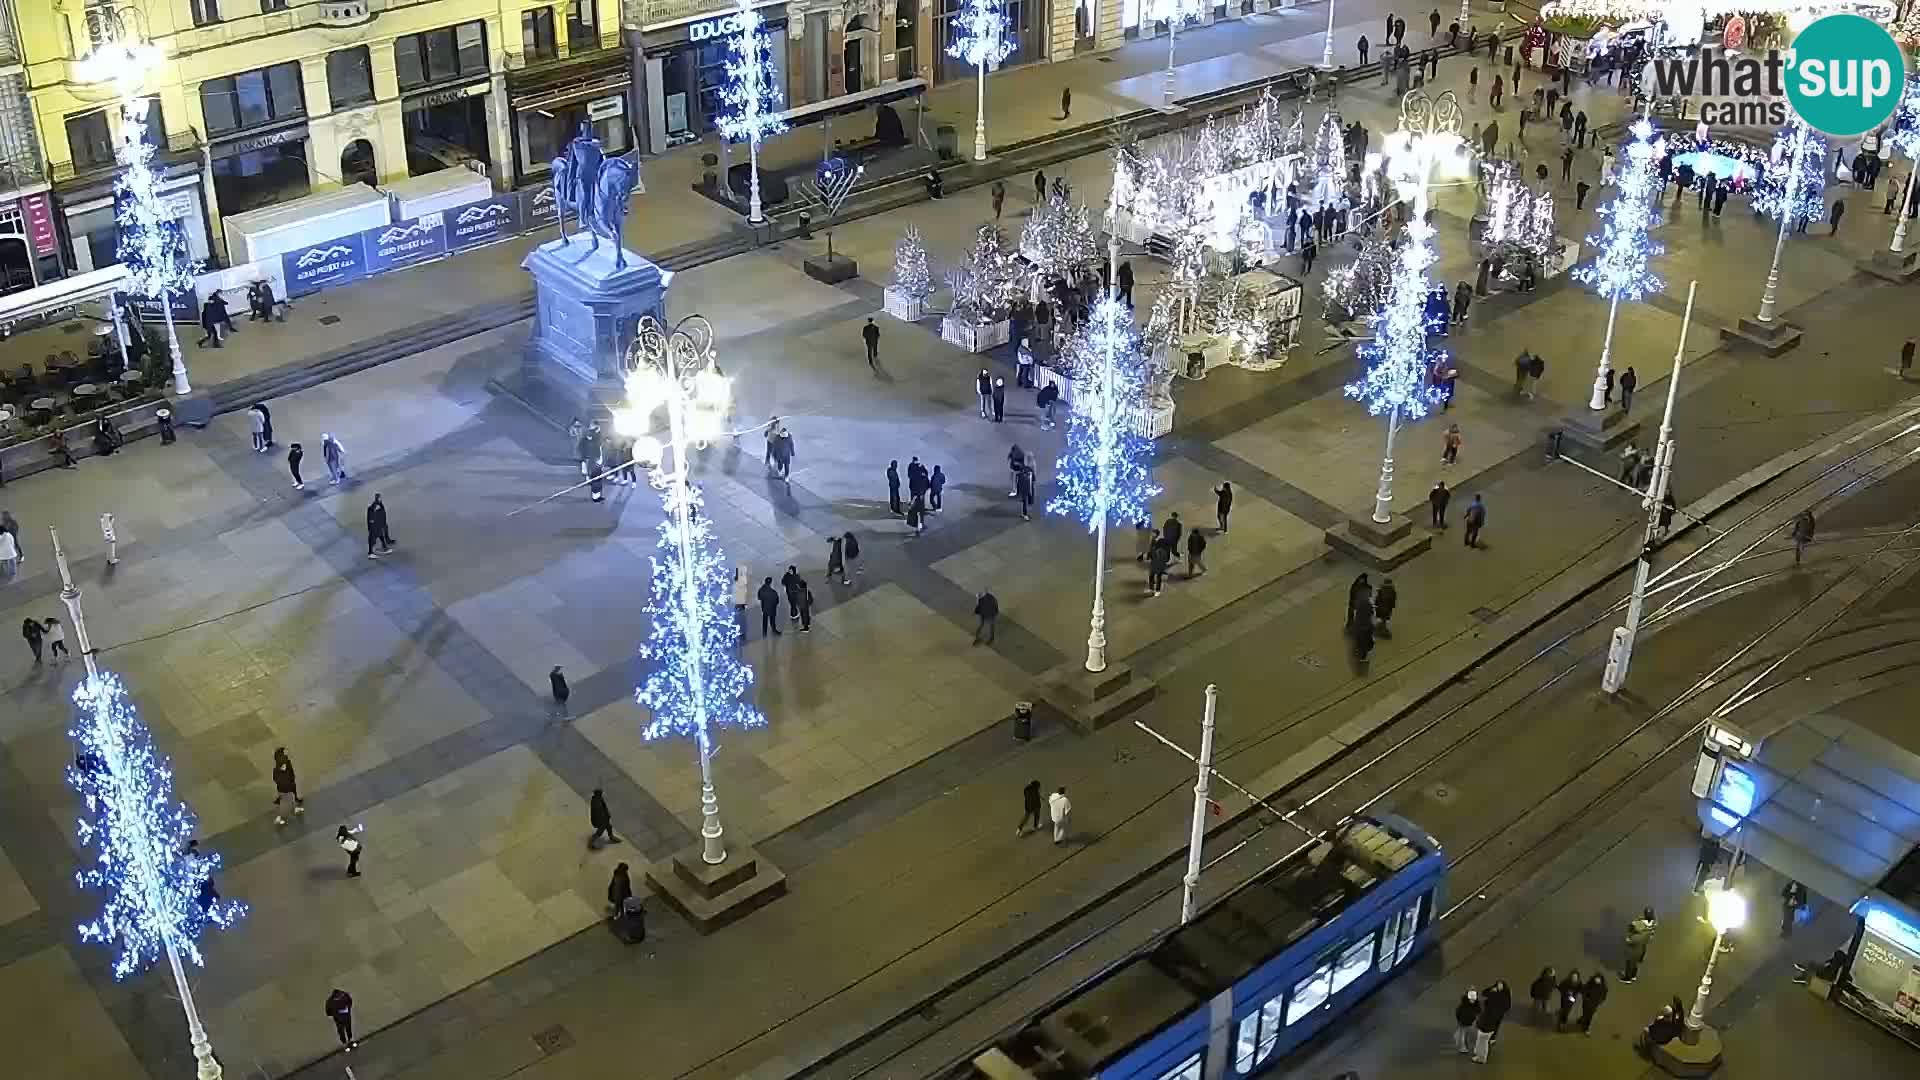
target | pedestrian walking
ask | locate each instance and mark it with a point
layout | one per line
(1450, 446)
(1385, 599)
(1473, 84)
(999, 400)
(285, 786)
(1638, 936)
(619, 888)
(790, 584)
(1016, 464)
(1580, 191)
(1223, 503)
(1144, 537)
(1542, 992)
(1592, 996)
(1359, 601)
(1495, 1002)
(1536, 367)
(35, 634)
(983, 385)
(1571, 988)
(334, 456)
(852, 552)
(999, 198)
(600, 817)
(1023, 485)
(377, 527)
(1476, 520)
(56, 636)
(987, 610)
(1706, 862)
(1171, 530)
(1066, 102)
(9, 554)
(1668, 507)
(1628, 380)
(1437, 500)
(769, 609)
(557, 682)
(1433, 22)
(805, 597)
(836, 566)
(1834, 214)
(294, 456)
(1803, 526)
(1124, 279)
(1466, 1014)
(1906, 358)
(340, 1008)
(259, 425)
(1039, 187)
(350, 844)
(1030, 808)
(1309, 250)
(1793, 901)
(1159, 555)
(870, 333)
(1361, 627)
(11, 526)
(893, 487)
(1196, 553)
(743, 594)
(1059, 810)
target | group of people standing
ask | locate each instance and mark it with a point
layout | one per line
(1160, 548)
(925, 489)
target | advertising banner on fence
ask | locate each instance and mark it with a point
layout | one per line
(186, 307)
(538, 207)
(334, 262)
(482, 222)
(404, 243)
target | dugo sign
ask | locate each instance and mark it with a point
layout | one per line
(1843, 77)
(709, 29)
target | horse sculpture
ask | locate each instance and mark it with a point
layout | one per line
(616, 185)
(596, 190)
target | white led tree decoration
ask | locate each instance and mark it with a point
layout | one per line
(983, 37)
(1364, 284)
(911, 277)
(1058, 240)
(695, 681)
(1903, 136)
(1396, 382)
(1329, 157)
(1625, 244)
(1793, 193)
(751, 100)
(1105, 476)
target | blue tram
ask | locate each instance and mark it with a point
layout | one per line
(1250, 979)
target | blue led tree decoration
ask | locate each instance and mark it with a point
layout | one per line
(1105, 475)
(1619, 272)
(150, 245)
(1903, 136)
(695, 681)
(156, 885)
(751, 100)
(1792, 193)
(983, 37)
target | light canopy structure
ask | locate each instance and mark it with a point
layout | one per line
(983, 37)
(751, 99)
(1105, 475)
(1791, 193)
(1625, 245)
(695, 681)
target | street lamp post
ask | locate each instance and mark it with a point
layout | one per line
(1727, 911)
(1792, 207)
(1326, 47)
(206, 1066)
(676, 368)
(982, 37)
(1197, 835)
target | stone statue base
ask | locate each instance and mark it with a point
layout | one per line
(585, 312)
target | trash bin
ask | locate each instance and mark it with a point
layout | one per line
(1023, 720)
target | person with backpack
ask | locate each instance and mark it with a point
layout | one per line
(340, 1009)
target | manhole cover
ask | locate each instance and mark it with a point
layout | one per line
(1310, 661)
(1440, 793)
(329, 320)
(1484, 614)
(553, 1040)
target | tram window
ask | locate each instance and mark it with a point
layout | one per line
(1269, 1029)
(1409, 926)
(1389, 938)
(1353, 963)
(1310, 993)
(1186, 1070)
(1244, 1043)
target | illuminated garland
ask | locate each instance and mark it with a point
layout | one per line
(1105, 473)
(1624, 244)
(695, 681)
(982, 34)
(750, 99)
(149, 242)
(1397, 358)
(1794, 187)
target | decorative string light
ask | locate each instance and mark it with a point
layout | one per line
(1363, 285)
(1398, 361)
(982, 34)
(1058, 239)
(1793, 190)
(1625, 243)
(911, 277)
(155, 889)
(750, 100)
(1105, 474)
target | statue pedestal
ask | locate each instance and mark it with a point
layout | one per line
(585, 312)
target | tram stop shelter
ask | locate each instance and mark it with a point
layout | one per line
(1835, 805)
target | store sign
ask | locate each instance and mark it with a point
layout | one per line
(236, 147)
(602, 108)
(403, 243)
(538, 207)
(709, 29)
(186, 307)
(334, 262)
(482, 222)
(38, 211)
(442, 97)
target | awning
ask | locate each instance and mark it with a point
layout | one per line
(1825, 802)
(65, 293)
(846, 104)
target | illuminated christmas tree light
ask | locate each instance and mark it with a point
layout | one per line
(149, 242)
(911, 277)
(1793, 191)
(1396, 382)
(1619, 272)
(983, 37)
(1105, 474)
(695, 680)
(750, 100)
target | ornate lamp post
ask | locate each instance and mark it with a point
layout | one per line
(1801, 155)
(1727, 911)
(1326, 46)
(696, 681)
(1173, 12)
(982, 38)
(1904, 136)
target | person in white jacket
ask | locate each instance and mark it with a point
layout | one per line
(113, 541)
(9, 554)
(742, 596)
(1058, 807)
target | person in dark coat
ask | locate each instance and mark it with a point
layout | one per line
(1196, 553)
(1031, 808)
(1571, 988)
(294, 454)
(377, 527)
(340, 1008)
(561, 691)
(1023, 486)
(619, 888)
(852, 551)
(837, 560)
(1466, 1013)
(600, 818)
(1793, 900)
(1384, 601)
(1363, 637)
(1838, 211)
(1495, 1002)
(1542, 992)
(1592, 996)
(285, 786)
(1158, 556)
(1437, 500)
(790, 583)
(893, 487)
(1628, 380)
(1125, 281)
(31, 629)
(1171, 531)
(987, 610)
(806, 599)
(1223, 503)
(1359, 600)
(769, 609)
(983, 387)
(916, 479)
(936, 486)
(871, 335)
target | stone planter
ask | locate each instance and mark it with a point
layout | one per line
(974, 337)
(901, 306)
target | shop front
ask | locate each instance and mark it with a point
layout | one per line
(550, 104)
(29, 244)
(86, 209)
(261, 168)
(446, 128)
(684, 69)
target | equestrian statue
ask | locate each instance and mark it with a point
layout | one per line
(596, 190)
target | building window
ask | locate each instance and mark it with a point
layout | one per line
(87, 137)
(349, 77)
(536, 33)
(451, 52)
(253, 98)
(583, 26)
(267, 6)
(205, 12)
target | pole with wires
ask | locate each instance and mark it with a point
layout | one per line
(1620, 649)
(1196, 839)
